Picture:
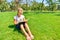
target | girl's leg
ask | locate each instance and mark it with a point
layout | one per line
(22, 28)
(28, 30)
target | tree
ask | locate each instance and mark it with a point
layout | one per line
(12, 5)
(17, 3)
(52, 5)
(42, 5)
(3, 5)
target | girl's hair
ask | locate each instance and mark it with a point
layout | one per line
(19, 10)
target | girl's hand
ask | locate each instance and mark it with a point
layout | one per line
(25, 20)
(15, 22)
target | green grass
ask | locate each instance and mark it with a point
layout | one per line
(44, 26)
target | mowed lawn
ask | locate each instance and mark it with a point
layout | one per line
(44, 26)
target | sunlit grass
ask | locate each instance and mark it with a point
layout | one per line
(44, 26)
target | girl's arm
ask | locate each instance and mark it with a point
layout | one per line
(25, 20)
(15, 22)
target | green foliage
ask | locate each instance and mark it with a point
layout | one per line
(4, 6)
(52, 5)
(12, 6)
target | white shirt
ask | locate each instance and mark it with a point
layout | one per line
(19, 19)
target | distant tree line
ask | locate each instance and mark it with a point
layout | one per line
(29, 5)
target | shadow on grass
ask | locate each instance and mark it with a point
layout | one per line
(15, 29)
(57, 14)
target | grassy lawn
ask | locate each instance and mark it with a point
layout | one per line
(44, 26)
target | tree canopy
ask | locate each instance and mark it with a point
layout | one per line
(29, 5)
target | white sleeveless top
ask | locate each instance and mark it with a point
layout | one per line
(19, 19)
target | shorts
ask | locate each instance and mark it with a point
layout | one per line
(18, 25)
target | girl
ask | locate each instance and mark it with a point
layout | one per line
(21, 22)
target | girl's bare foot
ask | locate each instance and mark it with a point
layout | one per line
(32, 37)
(28, 38)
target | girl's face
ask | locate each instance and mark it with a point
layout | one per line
(20, 11)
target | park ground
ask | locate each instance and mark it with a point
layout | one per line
(44, 26)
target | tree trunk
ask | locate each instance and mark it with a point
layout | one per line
(42, 5)
(17, 4)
